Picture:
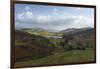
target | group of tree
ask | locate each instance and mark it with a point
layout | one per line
(70, 43)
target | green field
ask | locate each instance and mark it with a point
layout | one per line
(34, 48)
(43, 33)
(74, 56)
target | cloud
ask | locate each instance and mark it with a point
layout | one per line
(43, 18)
(79, 22)
(53, 20)
(26, 16)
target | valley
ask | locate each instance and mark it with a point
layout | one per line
(41, 47)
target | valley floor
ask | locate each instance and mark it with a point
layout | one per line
(66, 57)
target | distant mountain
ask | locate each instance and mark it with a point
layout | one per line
(33, 29)
(37, 30)
(85, 32)
(75, 30)
(68, 30)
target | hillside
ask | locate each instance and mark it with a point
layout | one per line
(32, 47)
(41, 32)
(29, 45)
(85, 32)
(79, 39)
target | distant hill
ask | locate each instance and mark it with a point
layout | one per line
(37, 29)
(34, 29)
(68, 30)
(82, 33)
(75, 31)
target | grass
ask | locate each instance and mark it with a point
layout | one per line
(74, 56)
(59, 56)
(44, 33)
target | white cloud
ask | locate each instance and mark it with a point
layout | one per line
(80, 21)
(20, 16)
(43, 18)
(29, 14)
(80, 18)
(26, 16)
(52, 20)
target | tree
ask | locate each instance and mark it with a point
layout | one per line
(67, 38)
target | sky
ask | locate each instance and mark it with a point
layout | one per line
(52, 17)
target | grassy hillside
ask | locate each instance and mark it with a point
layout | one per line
(29, 46)
(79, 39)
(32, 47)
(41, 32)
